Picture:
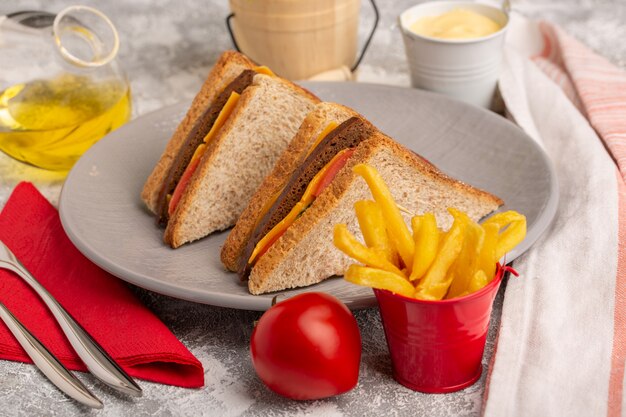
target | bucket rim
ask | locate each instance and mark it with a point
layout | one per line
(495, 282)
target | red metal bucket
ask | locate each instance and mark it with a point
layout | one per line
(437, 346)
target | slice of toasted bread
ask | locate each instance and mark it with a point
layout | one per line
(312, 126)
(237, 159)
(229, 65)
(305, 254)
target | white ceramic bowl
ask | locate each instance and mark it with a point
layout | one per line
(464, 69)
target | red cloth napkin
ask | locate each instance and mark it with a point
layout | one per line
(101, 303)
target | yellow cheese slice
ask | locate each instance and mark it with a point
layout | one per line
(198, 153)
(279, 228)
(223, 116)
(305, 201)
(268, 205)
(329, 128)
(219, 122)
(262, 69)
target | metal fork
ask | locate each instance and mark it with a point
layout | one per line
(47, 363)
(98, 362)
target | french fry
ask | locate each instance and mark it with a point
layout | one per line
(511, 237)
(348, 244)
(372, 224)
(435, 292)
(415, 226)
(466, 264)
(436, 282)
(515, 224)
(398, 232)
(451, 276)
(426, 236)
(487, 259)
(502, 219)
(377, 278)
(428, 263)
(478, 281)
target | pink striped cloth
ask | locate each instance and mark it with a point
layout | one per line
(598, 89)
(593, 84)
(561, 347)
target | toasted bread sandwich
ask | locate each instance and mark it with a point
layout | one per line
(316, 125)
(289, 243)
(238, 125)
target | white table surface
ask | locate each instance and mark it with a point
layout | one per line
(167, 49)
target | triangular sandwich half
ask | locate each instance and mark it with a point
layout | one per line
(317, 124)
(228, 67)
(227, 151)
(292, 241)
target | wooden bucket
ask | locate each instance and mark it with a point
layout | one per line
(297, 38)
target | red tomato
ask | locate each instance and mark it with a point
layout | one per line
(307, 347)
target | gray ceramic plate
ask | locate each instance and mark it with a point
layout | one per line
(103, 215)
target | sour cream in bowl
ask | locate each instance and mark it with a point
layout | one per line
(455, 48)
(458, 23)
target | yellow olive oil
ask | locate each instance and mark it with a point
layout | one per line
(51, 123)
